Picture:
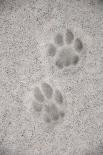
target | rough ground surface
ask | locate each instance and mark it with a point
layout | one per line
(51, 77)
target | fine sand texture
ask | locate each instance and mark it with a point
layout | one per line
(51, 77)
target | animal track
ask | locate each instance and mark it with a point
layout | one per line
(37, 106)
(66, 50)
(47, 89)
(75, 59)
(69, 36)
(51, 50)
(58, 96)
(78, 44)
(49, 101)
(52, 112)
(38, 94)
(59, 39)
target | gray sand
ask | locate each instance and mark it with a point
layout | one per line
(75, 125)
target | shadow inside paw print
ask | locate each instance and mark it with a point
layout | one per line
(38, 94)
(58, 96)
(69, 36)
(66, 50)
(58, 39)
(37, 106)
(65, 58)
(49, 99)
(47, 89)
(78, 45)
(52, 112)
(51, 50)
(75, 59)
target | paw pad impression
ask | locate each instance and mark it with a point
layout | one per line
(49, 102)
(66, 50)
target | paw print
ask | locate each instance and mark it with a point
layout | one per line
(49, 102)
(66, 51)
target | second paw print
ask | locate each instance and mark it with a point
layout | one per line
(48, 102)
